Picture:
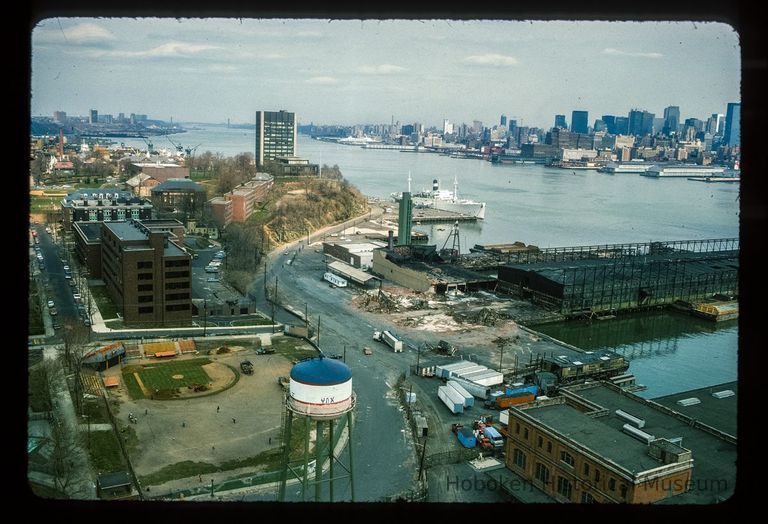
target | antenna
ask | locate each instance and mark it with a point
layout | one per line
(409, 180)
(455, 189)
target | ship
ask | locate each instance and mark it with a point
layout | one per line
(444, 200)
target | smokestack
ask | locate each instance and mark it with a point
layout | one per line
(391, 240)
(61, 143)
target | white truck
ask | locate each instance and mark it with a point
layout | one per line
(389, 339)
(335, 279)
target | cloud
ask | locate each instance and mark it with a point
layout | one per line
(383, 69)
(81, 34)
(172, 49)
(492, 59)
(322, 80)
(617, 52)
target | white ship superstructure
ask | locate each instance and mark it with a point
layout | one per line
(445, 200)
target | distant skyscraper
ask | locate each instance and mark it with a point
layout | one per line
(640, 122)
(447, 127)
(579, 122)
(621, 125)
(671, 120)
(560, 122)
(59, 116)
(610, 123)
(94, 118)
(599, 126)
(503, 121)
(732, 133)
(275, 135)
(512, 126)
(714, 124)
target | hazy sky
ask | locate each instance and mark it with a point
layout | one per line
(352, 71)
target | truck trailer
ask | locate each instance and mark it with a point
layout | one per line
(335, 279)
(469, 400)
(451, 399)
(476, 390)
(389, 339)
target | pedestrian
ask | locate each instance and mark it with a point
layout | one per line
(146, 411)
(234, 421)
(183, 424)
(200, 477)
(213, 448)
(270, 440)
(217, 409)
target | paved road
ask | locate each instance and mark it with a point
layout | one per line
(383, 454)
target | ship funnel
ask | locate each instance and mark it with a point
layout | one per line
(435, 185)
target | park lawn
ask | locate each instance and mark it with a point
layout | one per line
(105, 451)
(160, 377)
(293, 348)
(104, 302)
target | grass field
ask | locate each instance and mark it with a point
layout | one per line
(104, 302)
(293, 348)
(164, 377)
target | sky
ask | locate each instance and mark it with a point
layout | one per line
(374, 71)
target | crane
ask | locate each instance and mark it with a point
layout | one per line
(149, 145)
(178, 147)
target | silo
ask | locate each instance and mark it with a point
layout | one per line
(320, 391)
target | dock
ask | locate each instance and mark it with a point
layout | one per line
(423, 215)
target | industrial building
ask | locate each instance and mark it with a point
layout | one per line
(598, 279)
(98, 205)
(357, 254)
(159, 171)
(141, 185)
(295, 166)
(421, 268)
(146, 273)
(598, 443)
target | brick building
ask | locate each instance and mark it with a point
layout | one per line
(247, 195)
(219, 209)
(179, 198)
(98, 205)
(597, 443)
(147, 275)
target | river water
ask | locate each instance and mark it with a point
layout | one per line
(551, 207)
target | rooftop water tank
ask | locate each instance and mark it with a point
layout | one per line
(320, 388)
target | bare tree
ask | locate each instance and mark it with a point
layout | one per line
(75, 336)
(66, 445)
(501, 343)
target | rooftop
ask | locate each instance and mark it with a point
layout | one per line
(719, 413)
(714, 471)
(126, 230)
(321, 371)
(91, 231)
(183, 184)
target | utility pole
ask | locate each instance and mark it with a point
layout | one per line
(423, 454)
(318, 330)
(205, 315)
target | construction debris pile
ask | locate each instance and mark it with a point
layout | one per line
(484, 316)
(378, 301)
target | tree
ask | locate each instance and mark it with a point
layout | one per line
(66, 444)
(75, 335)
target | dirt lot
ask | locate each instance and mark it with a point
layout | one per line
(213, 427)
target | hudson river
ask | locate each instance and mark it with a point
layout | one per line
(550, 207)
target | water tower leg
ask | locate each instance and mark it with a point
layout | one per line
(318, 459)
(350, 446)
(286, 452)
(305, 483)
(330, 455)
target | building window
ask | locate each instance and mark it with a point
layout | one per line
(145, 298)
(120, 214)
(135, 214)
(177, 307)
(623, 491)
(586, 469)
(107, 215)
(146, 309)
(612, 484)
(144, 265)
(597, 475)
(93, 215)
(542, 473)
(176, 285)
(177, 274)
(587, 498)
(525, 433)
(519, 458)
(564, 487)
(567, 458)
(540, 441)
(549, 446)
(177, 296)
(144, 287)
(176, 263)
(517, 428)
(144, 276)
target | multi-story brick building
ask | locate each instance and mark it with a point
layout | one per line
(147, 275)
(219, 209)
(577, 448)
(245, 196)
(179, 198)
(99, 205)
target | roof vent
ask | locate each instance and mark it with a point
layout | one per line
(692, 401)
(633, 432)
(637, 422)
(723, 394)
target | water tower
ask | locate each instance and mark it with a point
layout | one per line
(320, 394)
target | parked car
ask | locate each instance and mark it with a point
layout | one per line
(53, 311)
(77, 297)
(213, 279)
(50, 303)
(367, 351)
(246, 367)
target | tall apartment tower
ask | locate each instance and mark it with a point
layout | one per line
(579, 121)
(93, 117)
(503, 121)
(275, 135)
(560, 122)
(732, 133)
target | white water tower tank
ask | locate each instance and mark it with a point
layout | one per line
(320, 388)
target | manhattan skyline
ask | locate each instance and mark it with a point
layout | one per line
(374, 71)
